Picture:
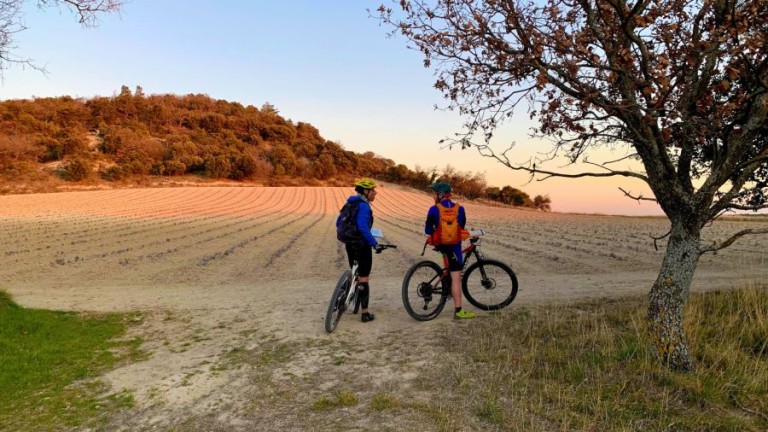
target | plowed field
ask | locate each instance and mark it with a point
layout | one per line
(221, 270)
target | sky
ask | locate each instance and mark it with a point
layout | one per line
(327, 63)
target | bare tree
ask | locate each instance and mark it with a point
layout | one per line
(682, 83)
(11, 23)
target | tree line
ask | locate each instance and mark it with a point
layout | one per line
(133, 135)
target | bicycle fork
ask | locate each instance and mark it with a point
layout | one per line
(353, 290)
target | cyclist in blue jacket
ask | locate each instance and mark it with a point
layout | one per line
(361, 251)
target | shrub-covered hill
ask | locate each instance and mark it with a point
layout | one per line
(132, 137)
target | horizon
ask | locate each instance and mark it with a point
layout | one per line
(330, 65)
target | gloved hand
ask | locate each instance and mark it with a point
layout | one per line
(378, 248)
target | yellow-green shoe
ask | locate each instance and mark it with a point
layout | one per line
(462, 314)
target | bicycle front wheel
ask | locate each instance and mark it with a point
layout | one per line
(489, 284)
(338, 303)
(423, 295)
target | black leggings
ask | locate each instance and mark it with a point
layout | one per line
(363, 254)
(365, 292)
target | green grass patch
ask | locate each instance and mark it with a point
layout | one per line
(342, 398)
(384, 402)
(323, 404)
(491, 411)
(589, 367)
(48, 364)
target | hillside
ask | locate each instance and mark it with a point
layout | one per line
(53, 144)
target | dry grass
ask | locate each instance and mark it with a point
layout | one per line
(588, 367)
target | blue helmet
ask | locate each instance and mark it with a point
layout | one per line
(441, 187)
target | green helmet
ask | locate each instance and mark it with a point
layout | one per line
(365, 183)
(441, 187)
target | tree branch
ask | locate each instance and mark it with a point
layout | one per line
(610, 173)
(656, 239)
(629, 156)
(637, 198)
(11, 24)
(724, 202)
(87, 9)
(717, 246)
(746, 207)
(486, 151)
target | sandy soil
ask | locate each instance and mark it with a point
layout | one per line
(230, 288)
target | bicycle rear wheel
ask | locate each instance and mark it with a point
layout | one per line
(338, 303)
(489, 284)
(422, 299)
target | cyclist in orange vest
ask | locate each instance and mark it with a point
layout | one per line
(445, 224)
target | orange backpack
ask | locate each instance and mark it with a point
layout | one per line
(448, 231)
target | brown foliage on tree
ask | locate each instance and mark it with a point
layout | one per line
(77, 169)
(542, 202)
(682, 83)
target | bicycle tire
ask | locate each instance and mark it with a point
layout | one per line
(489, 285)
(418, 306)
(357, 305)
(338, 305)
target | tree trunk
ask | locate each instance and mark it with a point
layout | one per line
(668, 296)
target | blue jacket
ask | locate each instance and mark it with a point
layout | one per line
(364, 219)
(433, 217)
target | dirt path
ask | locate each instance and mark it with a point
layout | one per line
(231, 287)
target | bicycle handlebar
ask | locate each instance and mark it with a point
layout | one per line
(381, 247)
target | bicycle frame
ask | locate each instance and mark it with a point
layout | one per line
(354, 282)
(467, 252)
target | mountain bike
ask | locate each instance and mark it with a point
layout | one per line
(345, 295)
(487, 284)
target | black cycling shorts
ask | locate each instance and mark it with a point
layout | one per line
(363, 254)
(452, 254)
